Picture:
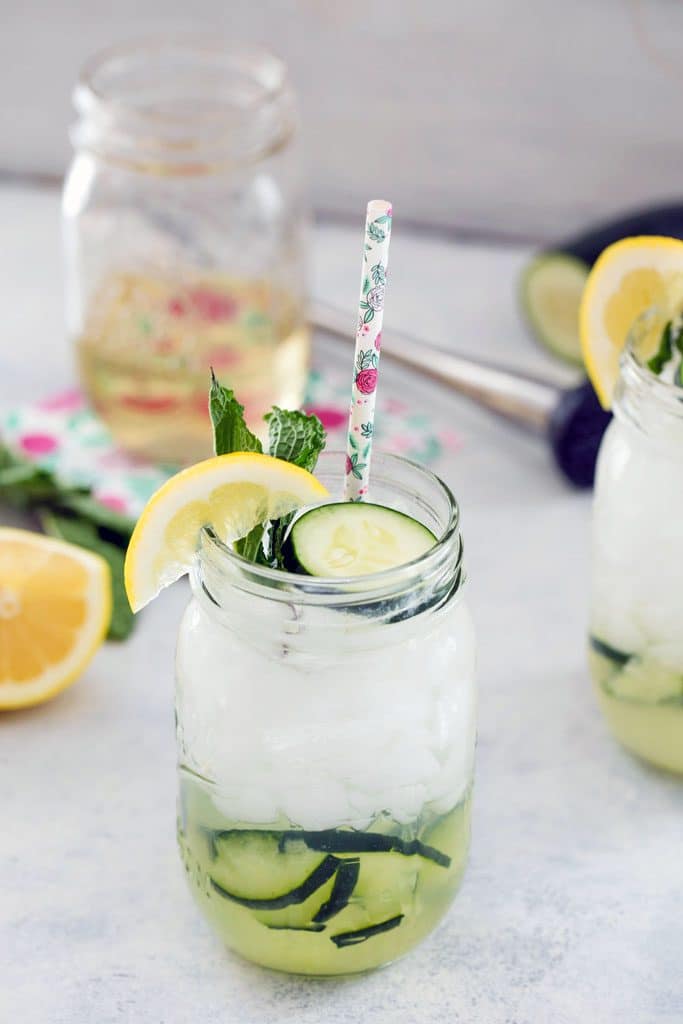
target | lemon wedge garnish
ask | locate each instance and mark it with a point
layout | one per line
(629, 278)
(231, 493)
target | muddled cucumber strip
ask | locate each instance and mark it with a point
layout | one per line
(638, 678)
(341, 841)
(362, 934)
(609, 652)
(342, 890)
(330, 840)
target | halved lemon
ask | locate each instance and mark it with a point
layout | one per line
(629, 277)
(232, 493)
(55, 607)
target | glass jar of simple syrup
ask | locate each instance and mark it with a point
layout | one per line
(184, 228)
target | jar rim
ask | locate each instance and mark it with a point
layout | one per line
(342, 589)
(635, 372)
(183, 100)
(89, 91)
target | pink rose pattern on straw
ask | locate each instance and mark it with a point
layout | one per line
(368, 344)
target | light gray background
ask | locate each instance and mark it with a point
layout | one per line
(513, 117)
(507, 119)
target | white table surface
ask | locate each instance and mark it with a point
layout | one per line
(572, 908)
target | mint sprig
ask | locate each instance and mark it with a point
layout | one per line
(86, 534)
(293, 436)
(73, 515)
(664, 352)
(230, 431)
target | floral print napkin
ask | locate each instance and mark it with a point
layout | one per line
(63, 435)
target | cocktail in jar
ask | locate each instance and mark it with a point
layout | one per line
(632, 339)
(325, 703)
(636, 625)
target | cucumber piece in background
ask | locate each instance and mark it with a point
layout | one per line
(550, 294)
(584, 249)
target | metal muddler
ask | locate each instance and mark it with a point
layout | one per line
(571, 419)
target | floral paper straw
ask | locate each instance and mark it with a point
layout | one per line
(368, 340)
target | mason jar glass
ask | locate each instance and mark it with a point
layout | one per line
(184, 224)
(636, 622)
(326, 732)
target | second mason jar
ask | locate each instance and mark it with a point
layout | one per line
(636, 626)
(183, 225)
(326, 734)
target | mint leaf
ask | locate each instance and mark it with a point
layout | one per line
(251, 547)
(22, 482)
(80, 531)
(295, 437)
(105, 518)
(73, 515)
(230, 431)
(299, 439)
(292, 436)
(665, 351)
(276, 540)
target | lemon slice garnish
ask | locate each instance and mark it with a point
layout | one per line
(629, 278)
(231, 493)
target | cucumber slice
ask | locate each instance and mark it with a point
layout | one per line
(249, 867)
(299, 894)
(354, 539)
(646, 681)
(550, 294)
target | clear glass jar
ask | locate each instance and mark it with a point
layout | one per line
(636, 623)
(326, 733)
(184, 226)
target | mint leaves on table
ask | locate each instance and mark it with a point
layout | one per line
(85, 534)
(22, 483)
(73, 515)
(293, 436)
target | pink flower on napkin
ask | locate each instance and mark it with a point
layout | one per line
(331, 418)
(38, 444)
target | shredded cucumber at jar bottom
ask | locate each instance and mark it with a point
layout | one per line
(636, 644)
(642, 699)
(327, 901)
